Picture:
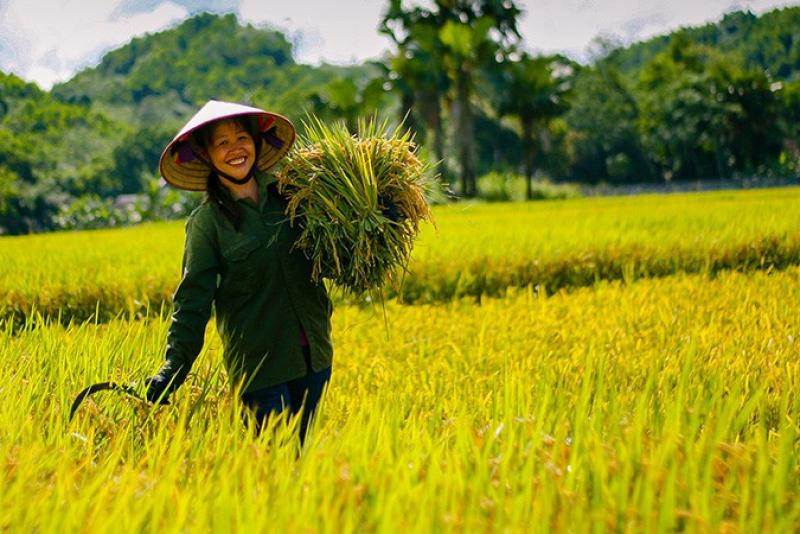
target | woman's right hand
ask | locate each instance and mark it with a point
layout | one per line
(157, 389)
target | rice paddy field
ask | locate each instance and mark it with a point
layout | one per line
(478, 250)
(593, 365)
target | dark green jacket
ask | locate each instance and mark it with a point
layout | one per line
(262, 292)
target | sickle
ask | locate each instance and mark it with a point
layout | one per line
(104, 386)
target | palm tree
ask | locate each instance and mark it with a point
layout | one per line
(417, 72)
(475, 34)
(534, 90)
(443, 48)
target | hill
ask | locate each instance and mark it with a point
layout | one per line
(769, 42)
(161, 78)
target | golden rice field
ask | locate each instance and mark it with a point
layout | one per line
(478, 250)
(665, 405)
(659, 393)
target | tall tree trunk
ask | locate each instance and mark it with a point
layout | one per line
(465, 134)
(529, 148)
(438, 144)
(407, 102)
(431, 106)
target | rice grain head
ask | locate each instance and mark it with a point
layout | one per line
(335, 183)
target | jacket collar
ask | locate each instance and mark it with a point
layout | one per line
(263, 180)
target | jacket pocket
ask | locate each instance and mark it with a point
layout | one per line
(242, 265)
(240, 249)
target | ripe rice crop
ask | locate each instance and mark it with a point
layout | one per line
(479, 250)
(339, 184)
(660, 405)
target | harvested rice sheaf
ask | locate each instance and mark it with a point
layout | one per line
(338, 184)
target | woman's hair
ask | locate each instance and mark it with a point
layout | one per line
(215, 192)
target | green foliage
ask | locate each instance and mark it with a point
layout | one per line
(692, 113)
(101, 133)
(92, 211)
(349, 100)
(158, 202)
(459, 39)
(207, 56)
(136, 157)
(13, 87)
(507, 187)
(603, 122)
(768, 42)
(705, 116)
(50, 151)
(535, 91)
(716, 101)
(415, 72)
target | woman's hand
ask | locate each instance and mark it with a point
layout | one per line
(168, 379)
(157, 390)
(389, 208)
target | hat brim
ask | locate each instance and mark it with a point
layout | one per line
(181, 168)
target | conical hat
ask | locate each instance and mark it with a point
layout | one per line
(181, 168)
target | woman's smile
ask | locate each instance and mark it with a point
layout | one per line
(232, 149)
(237, 161)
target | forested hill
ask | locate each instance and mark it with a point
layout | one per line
(770, 42)
(697, 103)
(167, 75)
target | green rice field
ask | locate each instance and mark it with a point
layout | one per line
(477, 250)
(620, 364)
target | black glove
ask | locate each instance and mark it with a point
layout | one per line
(168, 379)
(156, 387)
(389, 208)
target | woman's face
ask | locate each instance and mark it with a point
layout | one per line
(231, 149)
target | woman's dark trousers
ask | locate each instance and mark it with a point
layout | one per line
(296, 395)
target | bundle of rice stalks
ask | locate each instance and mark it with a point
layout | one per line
(359, 200)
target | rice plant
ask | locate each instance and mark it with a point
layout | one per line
(478, 250)
(657, 406)
(358, 199)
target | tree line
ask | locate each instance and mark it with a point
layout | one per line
(718, 101)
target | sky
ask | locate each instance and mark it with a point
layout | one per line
(47, 41)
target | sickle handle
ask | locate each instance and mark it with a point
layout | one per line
(102, 386)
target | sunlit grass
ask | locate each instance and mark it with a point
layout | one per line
(479, 250)
(666, 404)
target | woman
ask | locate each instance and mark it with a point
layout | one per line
(274, 322)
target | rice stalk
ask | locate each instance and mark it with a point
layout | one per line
(337, 184)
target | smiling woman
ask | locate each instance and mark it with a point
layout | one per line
(231, 149)
(239, 256)
(228, 146)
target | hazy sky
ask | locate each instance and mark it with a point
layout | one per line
(47, 41)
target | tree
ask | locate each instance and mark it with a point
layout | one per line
(604, 124)
(459, 38)
(533, 89)
(706, 116)
(416, 71)
(135, 159)
(475, 34)
(344, 99)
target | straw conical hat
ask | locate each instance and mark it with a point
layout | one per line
(181, 168)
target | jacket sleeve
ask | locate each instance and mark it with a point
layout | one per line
(191, 305)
